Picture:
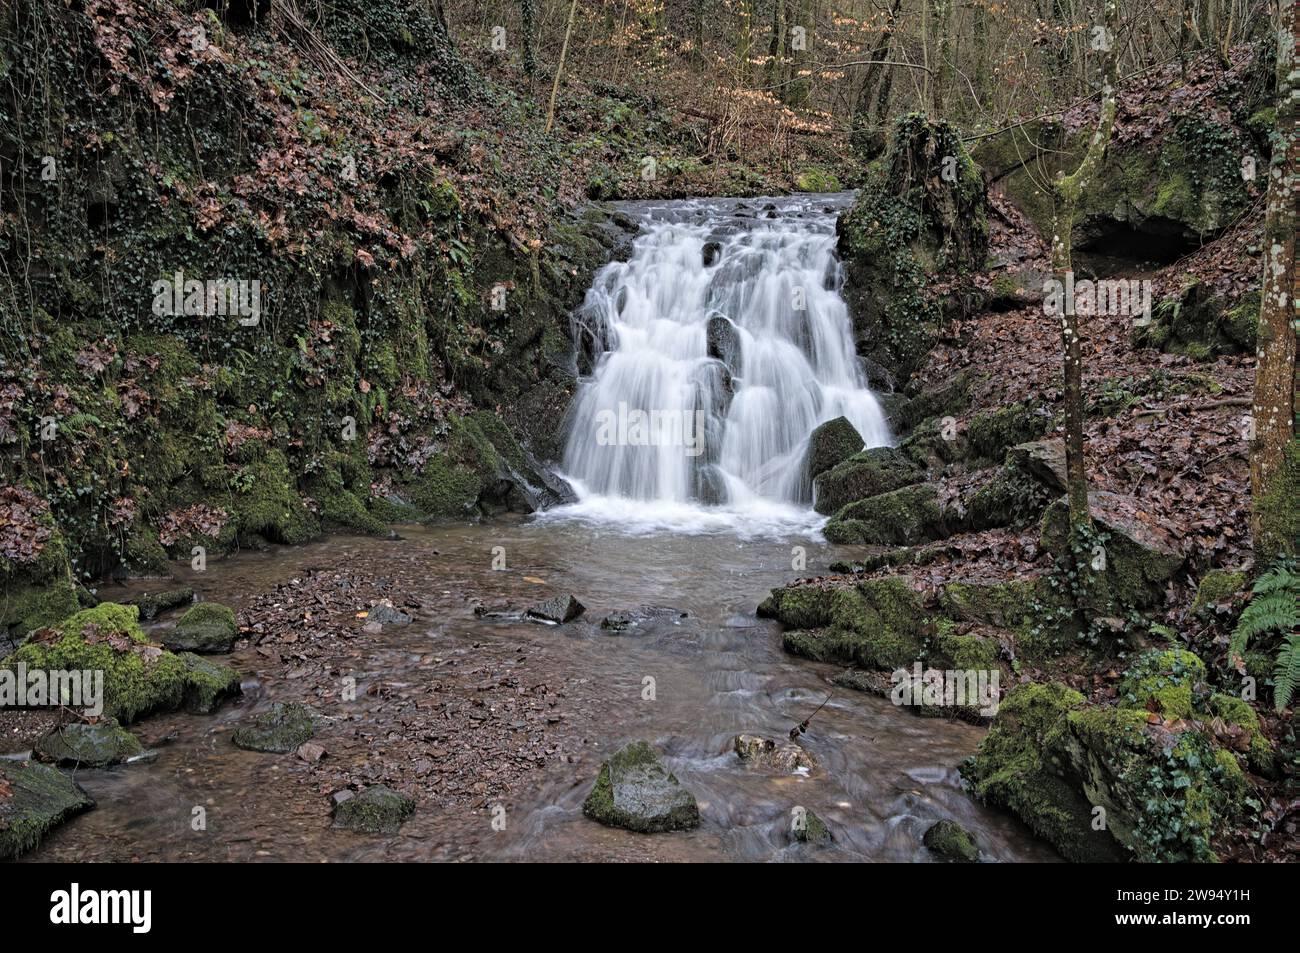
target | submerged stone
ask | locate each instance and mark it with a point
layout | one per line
(634, 791)
(277, 731)
(38, 798)
(376, 810)
(99, 745)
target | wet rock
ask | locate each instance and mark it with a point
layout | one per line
(640, 619)
(831, 444)
(154, 603)
(808, 828)
(558, 610)
(38, 798)
(207, 684)
(789, 757)
(902, 517)
(865, 474)
(950, 840)
(1044, 460)
(376, 810)
(384, 613)
(208, 628)
(91, 746)
(634, 791)
(723, 341)
(712, 252)
(277, 731)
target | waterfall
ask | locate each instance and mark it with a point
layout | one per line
(715, 350)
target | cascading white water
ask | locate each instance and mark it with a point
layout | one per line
(719, 345)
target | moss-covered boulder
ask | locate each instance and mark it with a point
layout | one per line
(1200, 324)
(377, 809)
(1217, 588)
(876, 623)
(951, 841)
(139, 676)
(279, 730)
(99, 745)
(934, 443)
(993, 432)
(1137, 558)
(207, 628)
(152, 604)
(1012, 498)
(831, 444)
(207, 684)
(867, 473)
(36, 587)
(39, 798)
(1164, 681)
(1102, 783)
(634, 791)
(901, 517)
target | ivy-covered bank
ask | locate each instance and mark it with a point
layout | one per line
(251, 295)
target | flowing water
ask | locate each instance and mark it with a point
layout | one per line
(725, 335)
(707, 534)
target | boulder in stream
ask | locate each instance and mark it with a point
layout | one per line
(377, 809)
(36, 799)
(787, 756)
(722, 340)
(276, 731)
(207, 684)
(635, 791)
(78, 744)
(557, 610)
(950, 840)
(208, 628)
(153, 603)
(807, 828)
(831, 444)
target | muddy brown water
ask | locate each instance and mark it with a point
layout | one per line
(884, 774)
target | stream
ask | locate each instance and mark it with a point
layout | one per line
(727, 313)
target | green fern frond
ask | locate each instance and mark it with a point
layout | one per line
(1286, 672)
(1274, 607)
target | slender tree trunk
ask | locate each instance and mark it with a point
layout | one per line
(559, 67)
(876, 70)
(1068, 190)
(1274, 412)
(943, 55)
(774, 73)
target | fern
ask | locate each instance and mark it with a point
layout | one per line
(1274, 607)
(1286, 673)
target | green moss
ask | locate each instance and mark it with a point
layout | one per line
(376, 810)
(993, 432)
(279, 730)
(1007, 605)
(40, 798)
(817, 180)
(900, 517)
(812, 831)
(970, 652)
(1278, 510)
(1217, 586)
(879, 623)
(93, 746)
(950, 840)
(864, 474)
(207, 684)
(1166, 679)
(269, 505)
(1237, 712)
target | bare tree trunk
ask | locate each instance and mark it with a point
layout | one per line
(1068, 190)
(1271, 478)
(943, 54)
(559, 67)
(775, 74)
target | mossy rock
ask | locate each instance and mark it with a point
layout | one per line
(152, 604)
(207, 684)
(951, 841)
(864, 474)
(41, 798)
(831, 444)
(375, 810)
(935, 443)
(808, 828)
(1200, 325)
(902, 517)
(1166, 681)
(209, 627)
(270, 506)
(1012, 498)
(1216, 588)
(39, 593)
(99, 745)
(1006, 604)
(139, 676)
(817, 180)
(993, 432)
(279, 730)
(877, 623)
(634, 791)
